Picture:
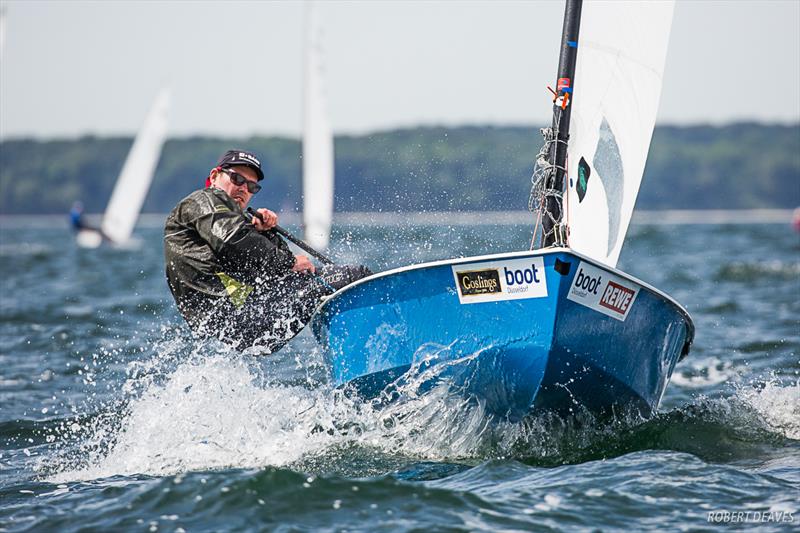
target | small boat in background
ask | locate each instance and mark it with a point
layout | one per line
(134, 181)
(556, 328)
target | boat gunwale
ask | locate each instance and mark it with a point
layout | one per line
(523, 253)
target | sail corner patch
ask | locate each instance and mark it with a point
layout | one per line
(602, 291)
(500, 280)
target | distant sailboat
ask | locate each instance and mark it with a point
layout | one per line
(317, 142)
(134, 181)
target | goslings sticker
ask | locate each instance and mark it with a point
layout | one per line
(602, 291)
(500, 280)
(475, 282)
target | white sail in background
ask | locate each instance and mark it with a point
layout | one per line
(317, 142)
(2, 45)
(2, 30)
(621, 53)
(137, 173)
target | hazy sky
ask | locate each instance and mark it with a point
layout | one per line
(71, 68)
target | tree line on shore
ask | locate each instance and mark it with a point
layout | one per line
(469, 168)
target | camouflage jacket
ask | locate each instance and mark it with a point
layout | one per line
(215, 256)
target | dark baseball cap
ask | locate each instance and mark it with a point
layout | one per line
(233, 158)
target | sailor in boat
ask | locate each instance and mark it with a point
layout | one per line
(79, 224)
(232, 276)
(76, 217)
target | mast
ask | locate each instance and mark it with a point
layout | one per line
(553, 225)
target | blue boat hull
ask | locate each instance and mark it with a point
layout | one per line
(520, 332)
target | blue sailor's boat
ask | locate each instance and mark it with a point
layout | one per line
(556, 328)
(521, 331)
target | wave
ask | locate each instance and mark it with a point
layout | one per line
(26, 250)
(703, 372)
(212, 409)
(243, 499)
(750, 271)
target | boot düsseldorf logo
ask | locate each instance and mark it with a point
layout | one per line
(500, 280)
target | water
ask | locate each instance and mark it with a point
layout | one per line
(113, 418)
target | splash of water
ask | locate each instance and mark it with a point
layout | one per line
(776, 404)
(214, 409)
(219, 410)
(209, 413)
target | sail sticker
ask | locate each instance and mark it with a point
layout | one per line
(602, 291)
(496, 281)
(563, 83)
(583, 177)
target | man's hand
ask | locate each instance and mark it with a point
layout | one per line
(270, 220)
(302, 264)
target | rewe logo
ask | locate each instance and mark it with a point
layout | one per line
(520, 276)
(617, 298)
(587, 282)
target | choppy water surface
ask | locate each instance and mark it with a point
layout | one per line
(113, 417)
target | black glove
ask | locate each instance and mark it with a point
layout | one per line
(338, 276)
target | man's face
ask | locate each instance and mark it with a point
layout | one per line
(220, 178)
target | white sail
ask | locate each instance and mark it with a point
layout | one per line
(317, 142)
(621, 53)
(2, 30)
(137, 173)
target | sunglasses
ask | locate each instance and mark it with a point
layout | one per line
(238, 180)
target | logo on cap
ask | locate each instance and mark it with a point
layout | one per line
(240, 157)
(250, 158)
